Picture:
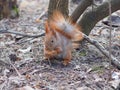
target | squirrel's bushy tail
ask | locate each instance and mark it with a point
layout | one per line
(65, 26)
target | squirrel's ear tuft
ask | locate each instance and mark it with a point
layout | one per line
(47, 29)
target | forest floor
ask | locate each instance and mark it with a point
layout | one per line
(24, 67)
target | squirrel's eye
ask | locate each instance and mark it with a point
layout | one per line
(52, 41)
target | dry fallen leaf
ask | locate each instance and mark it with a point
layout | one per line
(37, 20)
(115, 75)
(26, 88)
(28, 76)
(25, 50)
(83, 88)
(14, 58)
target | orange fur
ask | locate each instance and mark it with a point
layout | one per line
(59, 34)
(59, 18)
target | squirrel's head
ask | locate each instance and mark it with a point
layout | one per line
(51, 41)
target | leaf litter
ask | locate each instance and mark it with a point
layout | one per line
(89, 69)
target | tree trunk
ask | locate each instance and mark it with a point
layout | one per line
(8, 8)
(61, 5)
(90, 18)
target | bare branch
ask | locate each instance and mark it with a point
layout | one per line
(90, 18)
(80, 9)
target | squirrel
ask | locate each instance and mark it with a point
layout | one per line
(60, 33)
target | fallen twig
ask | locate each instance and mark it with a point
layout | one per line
(3, 85)
(21, 34)
(20, 42)
(42, 13)
(15, 69)
(114, 61)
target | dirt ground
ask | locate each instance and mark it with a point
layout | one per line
(24, 67)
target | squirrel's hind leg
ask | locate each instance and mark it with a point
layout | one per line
(67, 58)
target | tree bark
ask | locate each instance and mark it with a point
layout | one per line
(80, 9)
(4, 9)
(8, 8)
(61, 5)
(90, 18)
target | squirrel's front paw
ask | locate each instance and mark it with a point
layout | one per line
(46, 58)
(66, 62)
(59, 50)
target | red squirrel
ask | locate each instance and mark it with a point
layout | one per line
(60, 33)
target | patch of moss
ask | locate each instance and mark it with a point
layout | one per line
(82, 53)
(99, 69)
(16, 10)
